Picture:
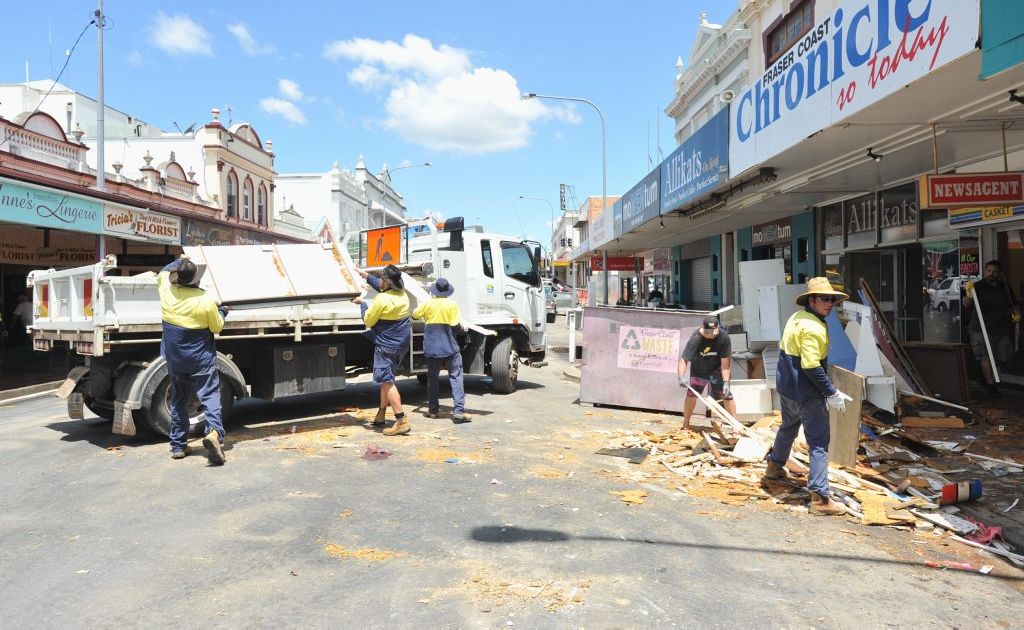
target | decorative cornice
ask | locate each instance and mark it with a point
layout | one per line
(736, 41)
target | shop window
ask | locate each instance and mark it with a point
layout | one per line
(714, 264)
(261, 206)
(802, 250)
(744, 255)
(714, 286)
(788, 31)
(247, 200)
(232, 195)
(485, 251)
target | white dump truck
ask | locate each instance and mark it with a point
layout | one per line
(293, 328)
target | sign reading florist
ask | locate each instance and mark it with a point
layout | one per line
(142, 225)
(863, 52)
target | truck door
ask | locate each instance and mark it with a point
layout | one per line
(522, 293)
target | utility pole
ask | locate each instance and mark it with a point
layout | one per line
(101, 136)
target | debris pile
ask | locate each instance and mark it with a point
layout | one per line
(900, 479)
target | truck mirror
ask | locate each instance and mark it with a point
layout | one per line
(536, 253)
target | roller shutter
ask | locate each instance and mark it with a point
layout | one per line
(700, 282)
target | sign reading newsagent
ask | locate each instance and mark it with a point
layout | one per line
(863, 52)
(49, 208)
(698, 165)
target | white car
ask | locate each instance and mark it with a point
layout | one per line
(562, 295)
(946, 296)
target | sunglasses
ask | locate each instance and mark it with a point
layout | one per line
(825, 298)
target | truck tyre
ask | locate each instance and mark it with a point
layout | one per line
(157, 415)
(106, 413)
(505, 366)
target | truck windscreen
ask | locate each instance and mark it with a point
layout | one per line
(519, 263)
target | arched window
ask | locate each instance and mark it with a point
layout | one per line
(247, 200)
(261, 206)
(232, 194)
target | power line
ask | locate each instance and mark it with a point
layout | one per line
(53, 84)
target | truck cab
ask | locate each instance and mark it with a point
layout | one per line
(498, 288)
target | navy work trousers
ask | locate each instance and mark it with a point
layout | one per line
(454, 376)
(813, 414)
(206, 385)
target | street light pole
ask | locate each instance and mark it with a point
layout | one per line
(604, 167)
(383, 215)
(551, 209)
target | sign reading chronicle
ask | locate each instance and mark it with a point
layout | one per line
(864, 51)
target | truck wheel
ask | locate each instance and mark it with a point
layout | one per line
(505, 366)
(158, 414)
(106, 413)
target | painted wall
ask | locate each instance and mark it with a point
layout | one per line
(1002, 35)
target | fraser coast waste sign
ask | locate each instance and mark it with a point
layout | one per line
(652, 349)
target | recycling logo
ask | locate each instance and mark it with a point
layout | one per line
(631, 341)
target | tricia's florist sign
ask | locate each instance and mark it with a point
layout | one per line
(142, 225)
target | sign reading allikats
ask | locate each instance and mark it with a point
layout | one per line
(972, 189)
(864, 51)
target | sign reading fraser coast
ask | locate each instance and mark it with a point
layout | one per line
(45, 208)
(652, 349)
(698, 165)
(864, 51)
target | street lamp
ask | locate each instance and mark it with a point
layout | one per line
(604, 167)
(551, 208)
(383, 216)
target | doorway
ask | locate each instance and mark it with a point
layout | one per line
(894, 276)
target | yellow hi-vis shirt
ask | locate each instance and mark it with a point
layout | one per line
(187, 307)
(391, 305)
(440, 316)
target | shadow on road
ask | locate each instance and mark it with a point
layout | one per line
(497, 534)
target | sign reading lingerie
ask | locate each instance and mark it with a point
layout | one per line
(864, 51)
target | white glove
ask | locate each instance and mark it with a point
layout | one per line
(837, 401)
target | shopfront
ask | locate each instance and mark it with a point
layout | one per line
(908, 256)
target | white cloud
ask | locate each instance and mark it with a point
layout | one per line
(437, 99)
(248, 43)
(289, 89)
(179, 35)
(284, 109)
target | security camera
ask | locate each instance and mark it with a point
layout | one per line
(726, 96)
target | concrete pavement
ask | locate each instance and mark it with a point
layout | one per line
(506, 520)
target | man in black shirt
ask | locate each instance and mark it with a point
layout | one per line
(999, 310)
(708, 354)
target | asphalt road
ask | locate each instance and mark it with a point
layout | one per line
(504, 521)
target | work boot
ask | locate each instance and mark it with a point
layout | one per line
(433, 413)
(774, 471)
(400, 427)
(825, 506)
(179, 453)
(460, 417)
(378, 420)
(214, 452)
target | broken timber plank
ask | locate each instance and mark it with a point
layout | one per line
(919, 422)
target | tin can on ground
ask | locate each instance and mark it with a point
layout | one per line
(961, 492)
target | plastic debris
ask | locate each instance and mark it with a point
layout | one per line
(374, 452)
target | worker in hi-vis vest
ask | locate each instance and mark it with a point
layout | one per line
(190, 319)
(441, 319)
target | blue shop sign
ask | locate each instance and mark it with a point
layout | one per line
(49, 208)
(698, 166)
(642, 202)
(617, 218)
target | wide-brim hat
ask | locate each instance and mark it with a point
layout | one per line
(185, 274)
(441, 288)
(394, 275)
(819, 286)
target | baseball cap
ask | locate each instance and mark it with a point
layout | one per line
(710, 323)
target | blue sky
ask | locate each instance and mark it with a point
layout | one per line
(398, 82)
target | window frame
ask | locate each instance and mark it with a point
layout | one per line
(782, 24)
(232, 195)
(261, 205)
(247, 199)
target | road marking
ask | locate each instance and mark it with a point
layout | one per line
(27, 396)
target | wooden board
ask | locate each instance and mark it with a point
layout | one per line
(918, 422)
(844, 426)
(943, 366)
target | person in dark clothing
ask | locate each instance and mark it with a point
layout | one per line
(708, 354)
(190, 320)
(387, 318)
(1001, 315)
(655, 294)
(441, 319)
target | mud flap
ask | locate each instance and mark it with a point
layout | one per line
(76, 406)
(124, 424)
(71, 382)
